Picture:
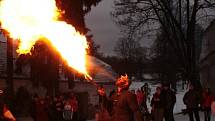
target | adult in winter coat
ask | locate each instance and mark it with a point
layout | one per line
(157, 104)
(41, 111)
(74, 106)
(192, 99)
(169, 102)
(206, 103)
(125, 106)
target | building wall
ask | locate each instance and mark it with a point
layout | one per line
(80, 87)
(87, 87)
(2, 57)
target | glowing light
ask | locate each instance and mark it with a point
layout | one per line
(123, 81)
(31, 20)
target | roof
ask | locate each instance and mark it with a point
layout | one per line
(101, 71)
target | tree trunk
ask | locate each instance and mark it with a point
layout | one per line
(193, 68)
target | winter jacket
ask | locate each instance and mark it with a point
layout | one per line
(74, 104)
(157, 101)
(41, 112)
(140, 97)
(125, 107)
(207, 100)
(192, 99)
(169, 98)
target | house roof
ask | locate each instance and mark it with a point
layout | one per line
(102, 72)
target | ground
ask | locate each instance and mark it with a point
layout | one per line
(177, 118)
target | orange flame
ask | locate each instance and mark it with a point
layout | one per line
(123, 81)
(31, 20)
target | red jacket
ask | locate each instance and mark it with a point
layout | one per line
(74, 104)
(140, 97)
(207, 101)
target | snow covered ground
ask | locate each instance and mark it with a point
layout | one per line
(179, 100)
(179, 96)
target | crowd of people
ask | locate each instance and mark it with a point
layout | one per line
(162, 104)
(63, 107)
(60, 108)
(121, 105)
(164, 99)
(196, 100)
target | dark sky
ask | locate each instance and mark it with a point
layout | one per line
(102, 26)
(105, 31)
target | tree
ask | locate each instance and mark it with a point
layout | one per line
(93, 49)
(131, 55)
(74, 12)
(129, 49)
(165, 60)
(176, 18)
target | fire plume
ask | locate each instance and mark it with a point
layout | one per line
(31, 20)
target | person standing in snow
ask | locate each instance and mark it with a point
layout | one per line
(141, 99)
(206, 103)
(192, 99)
(125, 106)
(146, 90)
(157, 104)
(169, 102)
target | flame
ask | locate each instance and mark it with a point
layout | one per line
(31, 20)
(123, 81)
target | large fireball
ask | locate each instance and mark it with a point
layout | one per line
(31, 20)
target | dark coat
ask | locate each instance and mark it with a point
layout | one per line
(169, 99)
(157, 101)
(125, 107)
(192, 99)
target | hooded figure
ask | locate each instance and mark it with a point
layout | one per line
(124, 106)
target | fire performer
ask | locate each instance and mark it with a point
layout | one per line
(124, 106)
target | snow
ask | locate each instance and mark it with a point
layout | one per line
(179, 96)
(179, 100)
